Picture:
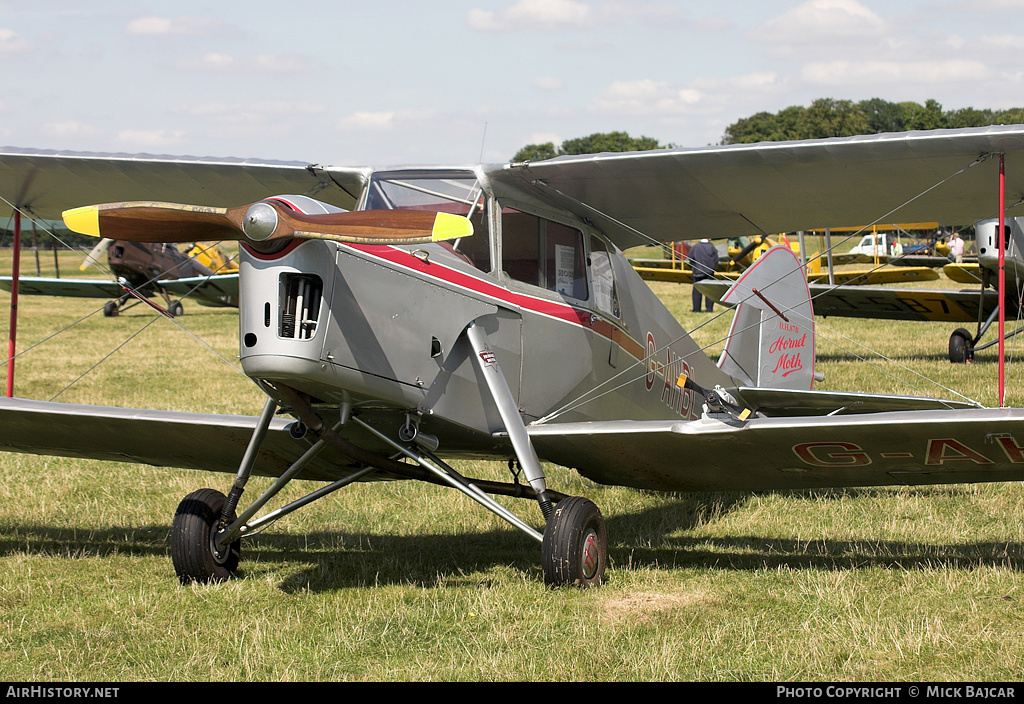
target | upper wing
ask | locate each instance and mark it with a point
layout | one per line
(747, 189)
(75, 288)
(888, 303)
(875, 449)
(47, 183)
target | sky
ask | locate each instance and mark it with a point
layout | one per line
(397, 82)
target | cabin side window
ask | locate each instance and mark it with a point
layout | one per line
(606, 297)
(543, 253)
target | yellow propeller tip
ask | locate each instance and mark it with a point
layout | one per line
(681, 380)
(84, 220)
(450, 227)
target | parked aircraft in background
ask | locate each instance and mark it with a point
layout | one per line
(204, 274)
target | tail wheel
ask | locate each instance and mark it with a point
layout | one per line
(961, 347)
(575, 548)
(195, 527)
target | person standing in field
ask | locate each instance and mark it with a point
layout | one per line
(956, 248)
(703, 259)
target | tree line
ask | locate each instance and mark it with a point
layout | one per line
(825, 117)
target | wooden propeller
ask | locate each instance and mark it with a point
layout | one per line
(265, 221)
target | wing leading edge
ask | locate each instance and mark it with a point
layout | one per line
(208, 442)
(762, 454)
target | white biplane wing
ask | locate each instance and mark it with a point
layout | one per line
(876, 449)
(767, 188)
(45, 183)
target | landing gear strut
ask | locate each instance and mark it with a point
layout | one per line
(206, 531)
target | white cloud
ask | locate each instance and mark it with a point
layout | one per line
(646, 96)
(755, 81)
(12, 43)
(1002, 41)
(548, 15)
(544, 138)
(69, 128)
(822, 18)
(263, 63)
(165, 26)
(229, 112)
(843, 73)
(368, 121)
(555, 15)
(149, 139)
(548, 83)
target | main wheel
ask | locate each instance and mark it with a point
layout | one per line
(575, 548)
(196, 524)
(176, 309)
(110, 309)
(961, 348)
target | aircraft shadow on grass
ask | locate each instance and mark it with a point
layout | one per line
(329, 560)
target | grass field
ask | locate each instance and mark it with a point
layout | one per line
(412, 582)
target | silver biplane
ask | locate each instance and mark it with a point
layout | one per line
(398, 318)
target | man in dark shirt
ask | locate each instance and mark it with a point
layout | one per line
(703, 259)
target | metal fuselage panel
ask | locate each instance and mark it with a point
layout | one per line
(389, 334)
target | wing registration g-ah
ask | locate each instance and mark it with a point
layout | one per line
(398, 318)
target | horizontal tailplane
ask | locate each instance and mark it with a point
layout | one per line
(771, 340)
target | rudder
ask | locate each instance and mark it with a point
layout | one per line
(771, 339)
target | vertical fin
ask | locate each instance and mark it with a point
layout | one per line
(771, 340)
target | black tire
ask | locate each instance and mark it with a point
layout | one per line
(110, 309)
(195, 524)
(961, 347)
(176, 309)
(575, 548)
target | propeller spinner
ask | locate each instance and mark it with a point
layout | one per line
(265, 221)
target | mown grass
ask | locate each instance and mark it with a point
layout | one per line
(404, 581)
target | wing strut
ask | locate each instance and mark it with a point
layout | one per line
(1002, 279)
(509, 412)
(15, 273)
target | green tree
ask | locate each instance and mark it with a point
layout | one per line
(833, 118)
(591, 144)
(928, 117)
(536, 152)
(827, 117)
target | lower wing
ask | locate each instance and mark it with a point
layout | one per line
(74, 288)
(873, 449)
(218, 290)
(209, 442)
